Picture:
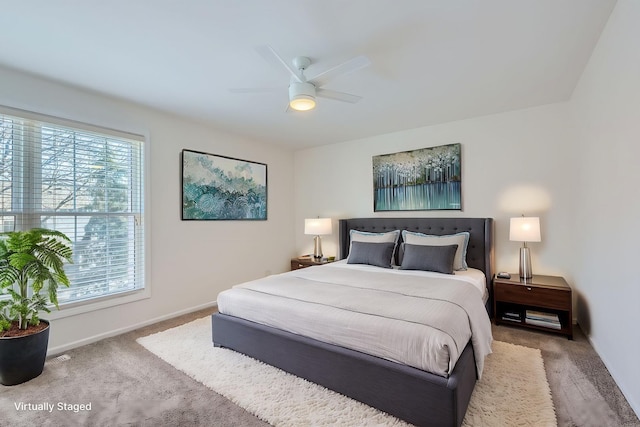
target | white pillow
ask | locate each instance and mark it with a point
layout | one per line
(364, 236)
(461, 239)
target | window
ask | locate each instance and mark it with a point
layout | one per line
(85, 182)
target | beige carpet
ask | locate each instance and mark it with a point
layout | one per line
(513, 390)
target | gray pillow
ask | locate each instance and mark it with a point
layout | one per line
(401, 253)
(365, 236)
(378, 254)
(429, 258)
(461, 239)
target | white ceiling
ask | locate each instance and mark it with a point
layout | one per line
(433, 61)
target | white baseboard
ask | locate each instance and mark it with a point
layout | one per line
(53, 351)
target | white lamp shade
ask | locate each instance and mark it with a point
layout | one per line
(317, 226)
(525, 229)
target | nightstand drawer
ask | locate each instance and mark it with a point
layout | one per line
(532, 295)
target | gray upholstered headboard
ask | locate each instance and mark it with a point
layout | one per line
(479, 251)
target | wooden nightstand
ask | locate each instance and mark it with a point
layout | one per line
(542, 303)
(297, 263)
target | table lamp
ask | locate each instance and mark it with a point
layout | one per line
(525, 229)
(317, 227)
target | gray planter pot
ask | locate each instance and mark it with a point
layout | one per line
(22, 358)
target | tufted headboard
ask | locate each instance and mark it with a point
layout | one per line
(479, 251)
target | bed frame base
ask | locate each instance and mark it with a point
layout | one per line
(413, 395)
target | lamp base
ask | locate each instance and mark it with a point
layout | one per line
(317, 247)
(525, 263)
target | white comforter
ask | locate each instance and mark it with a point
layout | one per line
(418, 320)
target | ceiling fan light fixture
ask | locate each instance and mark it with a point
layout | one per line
(302, 96)
(302, 103)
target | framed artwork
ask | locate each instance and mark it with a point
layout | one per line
(424, 179)
(222, 188)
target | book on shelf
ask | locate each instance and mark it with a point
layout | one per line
(543, 316)
(543, 323)
(513, 316)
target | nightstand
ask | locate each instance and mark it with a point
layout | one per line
(542, 302)
(297, 263)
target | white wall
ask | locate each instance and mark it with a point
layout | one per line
(191, 261)
(606, 105)
(512, 163)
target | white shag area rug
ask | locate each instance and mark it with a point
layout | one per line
(513, 391)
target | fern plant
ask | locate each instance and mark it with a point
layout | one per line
(31, 269)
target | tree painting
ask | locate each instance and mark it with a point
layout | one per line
(222, 188)
(424, 179)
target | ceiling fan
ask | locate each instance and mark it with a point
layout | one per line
(303, 91)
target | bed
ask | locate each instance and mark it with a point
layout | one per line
(407, 392)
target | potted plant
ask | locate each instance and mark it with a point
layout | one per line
(31, 269)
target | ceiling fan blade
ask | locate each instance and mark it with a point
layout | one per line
(346, 67)
(337, 96)
(272, 57)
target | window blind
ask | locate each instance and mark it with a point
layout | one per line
(84, 182)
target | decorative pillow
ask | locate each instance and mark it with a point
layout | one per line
(429, 258)
(401, 252)
(378, 254)
(461, 239)
(364, 236)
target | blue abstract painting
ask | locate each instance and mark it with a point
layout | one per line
(222, 188)
(424, 179)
